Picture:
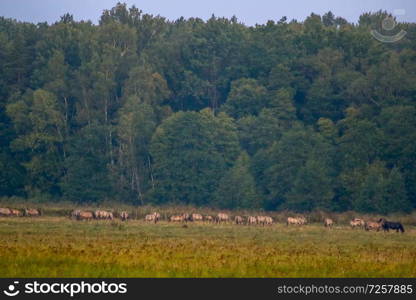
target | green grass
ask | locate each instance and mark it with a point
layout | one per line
(59, 247)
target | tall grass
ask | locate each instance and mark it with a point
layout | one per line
(59, 247)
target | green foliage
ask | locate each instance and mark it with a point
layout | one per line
(246, 98)
(361, 141)
(133, 173)
(86, 178)
(295, 171)
(191, 150)
(259, 132)
(41, 128)
(312, 188)
(378, 189)
(141, 109)
(237, 188)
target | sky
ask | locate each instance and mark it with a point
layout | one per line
(248, 12)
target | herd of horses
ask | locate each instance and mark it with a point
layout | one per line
(11, 212)
(381, 224)
(377, 226)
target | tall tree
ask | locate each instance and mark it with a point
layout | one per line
(237, 188)
(87, 178)
(380, 190)
(246, 98)
(191, 150)
(294, 168)
(40, 126)
(133, 170)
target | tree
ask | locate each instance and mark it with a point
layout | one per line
(133, 170)
(144, 109)
(360, 142)
(312, 189)
(147, 85)
(293, 168)
(280, 77)
(328, 19)
(87, 178)
(237, 188)
(398, 123)
(328, 129)
(261, 131)
(246, 97)
(212, 57)
(191, 151)
(41, 135)
(381, 190)
(12, 175)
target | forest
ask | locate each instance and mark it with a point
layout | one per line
(139, 109)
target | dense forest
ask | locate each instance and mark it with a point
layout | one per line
(144, 110)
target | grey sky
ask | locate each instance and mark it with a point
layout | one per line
(248, 12)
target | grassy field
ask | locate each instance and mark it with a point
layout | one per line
(55, 246)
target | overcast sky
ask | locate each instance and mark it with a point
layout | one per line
(248, 12)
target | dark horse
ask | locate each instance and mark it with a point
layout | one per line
(386, 225)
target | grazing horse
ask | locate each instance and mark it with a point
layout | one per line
(261, 220)
(302, 220)
(103, 215)
(124, 216)
(386, 225)
(357, 223)
(264, 220)
(251, 220)
(209, 219)
(150, 218)
(187, 217)
(268, 220)
(373, 225)
(32, 212)
(75, 214)
(221, 217)
(157, 216)
(196, 217)
(15, 212)
(5, 212)
(291, 220)
(238, 220)
(154, 217)
(296, 221)
(85, 215)
(328, 222)
(180, 218)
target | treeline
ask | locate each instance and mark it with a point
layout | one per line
(286, 115)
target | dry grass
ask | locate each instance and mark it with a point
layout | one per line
(59, 247)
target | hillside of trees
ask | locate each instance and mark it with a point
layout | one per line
(140, 109)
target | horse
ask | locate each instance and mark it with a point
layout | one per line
(357, 223)
(208, 219)
(124, 216)
(328, 222)
(386, 225)
(238, 220)
(251, 220)
(373, 226)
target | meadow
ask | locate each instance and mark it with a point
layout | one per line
(56, 246)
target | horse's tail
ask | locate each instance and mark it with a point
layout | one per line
(401, 228)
